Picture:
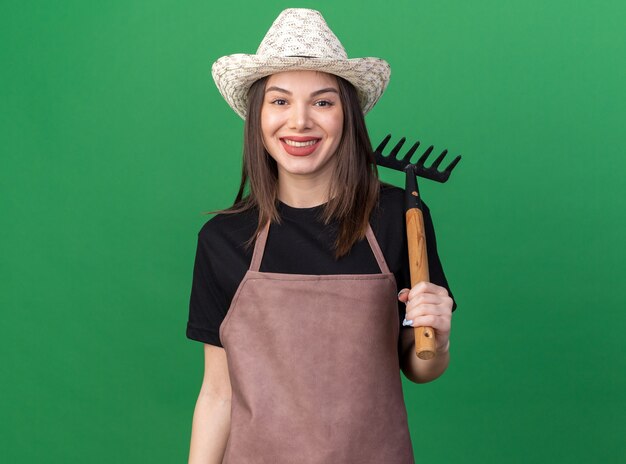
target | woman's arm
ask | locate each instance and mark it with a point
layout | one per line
(428, 305)
(211, 417)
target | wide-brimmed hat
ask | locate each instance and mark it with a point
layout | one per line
(299, 39)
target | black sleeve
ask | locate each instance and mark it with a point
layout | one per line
(207, 308)
(222, 259)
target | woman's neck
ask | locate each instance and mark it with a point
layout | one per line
(299, 192)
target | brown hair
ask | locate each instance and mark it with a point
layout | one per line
(354, 186)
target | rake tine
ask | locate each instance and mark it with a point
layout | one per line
(409, 153)
(383, 144)
(396, 149)
(422, 160)
(452, 164)
(439, 159)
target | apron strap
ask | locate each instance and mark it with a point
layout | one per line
(261, 239)
(378, 254)
(259, 248)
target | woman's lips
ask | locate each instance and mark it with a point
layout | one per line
(300, 146)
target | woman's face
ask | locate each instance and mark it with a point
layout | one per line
(302, 123)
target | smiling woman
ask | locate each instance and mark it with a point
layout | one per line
(295, 290)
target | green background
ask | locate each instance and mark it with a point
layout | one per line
(115, 140)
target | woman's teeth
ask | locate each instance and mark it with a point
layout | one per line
(308, 143)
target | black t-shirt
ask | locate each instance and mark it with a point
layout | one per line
(300, 244)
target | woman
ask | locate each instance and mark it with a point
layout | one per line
(295, 291)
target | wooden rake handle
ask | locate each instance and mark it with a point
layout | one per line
(418, 263)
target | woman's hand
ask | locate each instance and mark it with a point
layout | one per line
(429, 305)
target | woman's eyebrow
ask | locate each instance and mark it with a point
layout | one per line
(313, 94)
(326, 90)
(277, 89)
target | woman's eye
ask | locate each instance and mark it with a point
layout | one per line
(279, 101)
(324, 103)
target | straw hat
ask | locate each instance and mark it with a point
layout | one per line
(299, 39)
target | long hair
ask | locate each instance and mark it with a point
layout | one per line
(354, 185)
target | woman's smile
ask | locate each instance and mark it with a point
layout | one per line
(300, 146)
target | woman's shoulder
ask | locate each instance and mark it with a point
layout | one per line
(390, 195)
(389, 213)
(392, 198)
(229, 227)
(390, 203)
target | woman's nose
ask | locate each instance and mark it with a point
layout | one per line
(300, 117)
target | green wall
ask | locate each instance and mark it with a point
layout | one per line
(115, 140)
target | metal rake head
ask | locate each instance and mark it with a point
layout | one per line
(431, 172)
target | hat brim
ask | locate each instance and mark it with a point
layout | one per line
(234, 74)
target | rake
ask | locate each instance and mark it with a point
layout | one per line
(416, 237)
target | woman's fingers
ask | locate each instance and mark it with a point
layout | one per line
(421, 288)
(427, 305)
(425, 309)
(403, 295)
(430, 305)
(426, 302)
(439, 323)
(426, 298)
(427, 287)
